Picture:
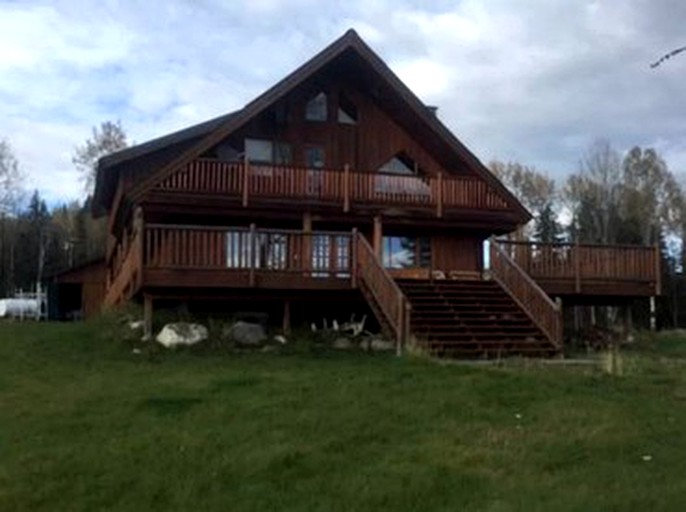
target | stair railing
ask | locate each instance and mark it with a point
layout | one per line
(545, 313)
(370, 274)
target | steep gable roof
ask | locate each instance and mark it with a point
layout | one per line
(350, 43)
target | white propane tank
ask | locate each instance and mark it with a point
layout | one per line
(19, 307)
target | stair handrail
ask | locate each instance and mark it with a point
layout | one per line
(386, 293)
(542, 310)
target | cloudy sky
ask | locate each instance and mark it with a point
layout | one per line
(534, 81)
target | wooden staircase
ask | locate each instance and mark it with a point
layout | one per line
(472, 319)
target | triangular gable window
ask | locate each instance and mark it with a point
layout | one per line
(347, 112)
(400, 164)
(316, 108)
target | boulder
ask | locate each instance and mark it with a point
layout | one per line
(182, 333)
(379, 345)
(342, 343)
(247, 334)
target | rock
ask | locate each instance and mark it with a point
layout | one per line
(247, 334)
(137, 325)
(182, 333)
(342, 343)
(379, 345)
(281, 339)
(136, 351)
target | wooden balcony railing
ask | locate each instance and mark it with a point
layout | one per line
(318, 254)
(125, 269)
(337, 187)
(585, 262)
(381, 290)
(541, 309)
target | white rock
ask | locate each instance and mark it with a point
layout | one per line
(182, 333)
(280, 338)
(137, 325)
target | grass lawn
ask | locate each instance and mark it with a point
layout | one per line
(85, 424)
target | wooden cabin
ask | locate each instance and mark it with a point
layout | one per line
(338, 183)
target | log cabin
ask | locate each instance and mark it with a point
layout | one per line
(339, 184)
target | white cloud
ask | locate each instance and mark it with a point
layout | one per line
(532, 80)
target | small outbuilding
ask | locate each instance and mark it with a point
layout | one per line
(77, 292)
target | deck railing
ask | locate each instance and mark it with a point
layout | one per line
(343, 187)
(317, 254)
(582, 262)
(382, 289)
(541, 309)
(124, 271)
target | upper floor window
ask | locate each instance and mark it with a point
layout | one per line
(314, 157)
(400, 164)
(316, 108)
(267, 151)
(347, 112)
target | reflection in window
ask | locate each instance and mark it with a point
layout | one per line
(316, 108)
(261, 151)
(406, 252)
(401, 176)
(347, 112)
(314, 157)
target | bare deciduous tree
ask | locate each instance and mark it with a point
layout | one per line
(106, 139)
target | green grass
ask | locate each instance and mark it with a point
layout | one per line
(85, 424)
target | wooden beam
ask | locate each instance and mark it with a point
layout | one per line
(377, 238)
(307, 243)
(147, 317)
(286, 317)
(346, 188)
(439, 198)
(253, 250)
(246, 181)
(353, 258)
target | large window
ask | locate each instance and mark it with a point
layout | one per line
(264, 151)
(406, 252)
(314, 157)
(401, 175)
(316, 109)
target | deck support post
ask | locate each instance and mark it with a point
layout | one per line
(653, 314)
(439, 194)
(577, 267)
(253, 250)
(377, 237)
(147, 317)
(353, 259)
(346, 188)
(286, 327)
(246, 180)
(307, 242)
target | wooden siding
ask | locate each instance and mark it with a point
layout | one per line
(91, 277)
(461, 253)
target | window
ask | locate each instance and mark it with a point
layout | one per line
(268, 152)
(316, 108)
(400, 164)
(347, 112)
(258, 150)
(406, 252)
(401, 175)
(314, 157)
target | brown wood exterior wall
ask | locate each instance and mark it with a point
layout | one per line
(463, 253)
(92, 280)
(368, 144)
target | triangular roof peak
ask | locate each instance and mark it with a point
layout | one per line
(423, 118)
